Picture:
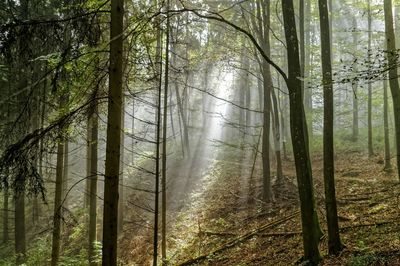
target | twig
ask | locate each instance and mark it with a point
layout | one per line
(240, 239)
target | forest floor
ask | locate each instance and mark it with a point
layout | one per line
(224, 222)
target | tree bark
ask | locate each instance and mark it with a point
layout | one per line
(121, 187)
(164, 147)
(20, 237)
(6, 237)
(277, 137)
(370, 147)
(393, 81)
(113, 146)
(388, 165)
(87, 181)
(93, 185)
(334, 243)
(55, 250)
(310, 224)
(65, 174)
(354, 84)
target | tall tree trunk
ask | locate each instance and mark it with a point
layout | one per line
(242, 93)
(88, 149)
(309, 218)
(388, 165)
(370, 147)
(181, 111)
(20, 237)
(55, 250)
(113, 146)
(307, 67)
(277, 137)
(354, 83)
(264, 13)
(158, 71)
(334, 243)
(164, 146)
(65, 174)
(6, 237)
(93, 184)
(121, 187)
(393, 81)
(302, 42)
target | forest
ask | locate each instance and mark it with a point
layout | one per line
(199, 132)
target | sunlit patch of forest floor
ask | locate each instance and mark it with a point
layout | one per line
(225, 222)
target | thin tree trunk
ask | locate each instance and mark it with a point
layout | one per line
(302, 42)
(277, 137)
(307, 67)
(55, 251)
(20, 237)
(393, 81)
(158, 144)
(65, 175)
(93, 185)
(370, 147)
(87, 182)
(164, 147)
(264, 14)
(388, 165)
(334, 243)
(354, 84)
(6, 237)
(113, 146)
(310, 224)
(121, 177)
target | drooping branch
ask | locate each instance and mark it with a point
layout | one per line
(217, 17)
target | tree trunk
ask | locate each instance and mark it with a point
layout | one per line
(370, 147)
(5, 216)
(307, 67)
(277, 137)
(334, 243)
(87, 182)
(93, 184)
(354, 84)
(111, 182)
(181, 110)
(55, 251)
(310, 224)
(121, 187)
(65, 175)
(267, 85)
(388, 165)
(164, 148)
(393, 81)
(20, 241)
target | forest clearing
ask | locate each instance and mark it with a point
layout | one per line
(206, 132)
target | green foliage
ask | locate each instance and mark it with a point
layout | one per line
(361, 260)
(40, 253)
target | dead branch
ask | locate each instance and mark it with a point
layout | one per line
(240, 239)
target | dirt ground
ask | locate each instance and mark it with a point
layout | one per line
(225, 214)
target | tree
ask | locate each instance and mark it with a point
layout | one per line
(5, 216)
(112, 167)
(354, 84)
(393, 81)
(309, 218)
(263, 14)
(370, 147)
(334, 243)
(164, 145)
(93, 183)
(388, 165)
(55, 250)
